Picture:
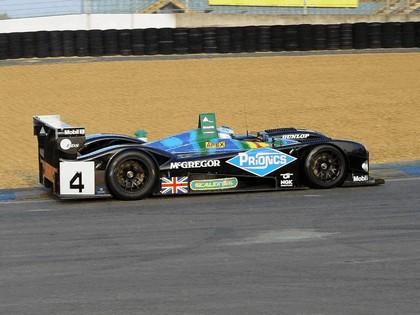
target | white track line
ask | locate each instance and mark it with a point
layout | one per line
(401, 179)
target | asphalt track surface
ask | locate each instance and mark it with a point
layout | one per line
(339, 251)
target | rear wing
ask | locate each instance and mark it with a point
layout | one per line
(56, 140)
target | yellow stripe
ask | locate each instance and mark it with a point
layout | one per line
(290, 3)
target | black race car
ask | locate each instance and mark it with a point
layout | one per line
(203, 160)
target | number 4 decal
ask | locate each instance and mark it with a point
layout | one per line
(77, 178)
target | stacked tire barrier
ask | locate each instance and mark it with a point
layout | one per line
(167, 41)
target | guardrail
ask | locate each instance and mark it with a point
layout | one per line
(167, 41)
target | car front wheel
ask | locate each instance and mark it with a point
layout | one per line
(325, 167)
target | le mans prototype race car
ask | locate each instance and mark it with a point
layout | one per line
(203, 160)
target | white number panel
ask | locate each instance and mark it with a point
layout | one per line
(77, 178)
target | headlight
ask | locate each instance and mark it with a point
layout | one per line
(365, 166)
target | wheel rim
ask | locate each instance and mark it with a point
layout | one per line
(326, 166)
(131, 175)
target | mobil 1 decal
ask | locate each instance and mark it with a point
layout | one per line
(262, 161)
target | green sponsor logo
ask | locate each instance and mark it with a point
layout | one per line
(214, 184)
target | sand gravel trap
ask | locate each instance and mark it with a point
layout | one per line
(373, 99)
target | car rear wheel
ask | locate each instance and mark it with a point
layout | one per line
(325, 167)
(132, 176)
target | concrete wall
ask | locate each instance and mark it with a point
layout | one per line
(139, 21)
(206, 20)
(88, 22)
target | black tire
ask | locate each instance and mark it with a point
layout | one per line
(194, 41)
(263, 38)
(346, 36)
(110, 42)
(375, 35)
(4, 46)
(223, 39)
(69, 44)
(325, 167)
(320, 37)
(417, 34)
(151, 39)
(181, 44)
(15, 45)
(408, 36)
(137, 42)
(209, 40)
(166, 41)
(360, 36)
(132, 175)
(56, 44)
(391, 35)
(124, 42)
(29, 45)
(277, 38)
(42, 44)
(291, 37)
(333, 36)
(96, 43)
(305, 37)
(81, 42)
(250, 38)
(236, 39)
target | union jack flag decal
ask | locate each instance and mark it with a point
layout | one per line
(174, 185)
